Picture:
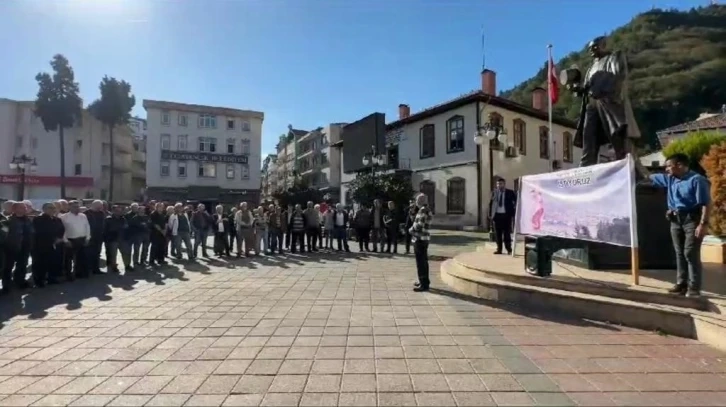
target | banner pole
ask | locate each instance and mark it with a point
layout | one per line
(634, 247)
(516, 218)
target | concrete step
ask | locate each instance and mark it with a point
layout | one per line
(706, 326)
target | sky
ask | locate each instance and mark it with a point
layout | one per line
(302, 62)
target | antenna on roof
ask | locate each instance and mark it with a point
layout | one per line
(483, 50)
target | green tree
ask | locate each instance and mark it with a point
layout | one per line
(113, 109)
(299, 193)
(394, 187)
(676, 65)
(695, 145)
(58, 105)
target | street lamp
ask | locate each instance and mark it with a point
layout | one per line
(490, 131)
(373, 159)
(21, 164)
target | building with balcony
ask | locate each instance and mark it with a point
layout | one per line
(437, 144)
(87, 156)
(318, 164)
(202, 153)
(138, 128)
(268, 184)
(286, 162)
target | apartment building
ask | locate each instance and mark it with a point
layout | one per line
(87, 157)
(202, 153)
(286, 162)
(138, 171)
(437, 145)
(268, 184)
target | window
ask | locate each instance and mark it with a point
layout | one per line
(183, 120)
(428, 188)
(144, 124)
(181, 169)
(79, 144)
(230, 124)
(165, 141)
(165, 118)
(567, 147)
(230, 146)
(455, 134)
(207, 121)
(456, 196)
(496, 120)
(519, 128)
(207, 170)
(245, 126)
(245, 147)
(245, 171)
(77, 170)
(165, 168)
(33, 143)
(230, 171)
(182, 142)
(427, 136)
(544, 143)
(207, 144)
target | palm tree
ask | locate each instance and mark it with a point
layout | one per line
(58, 105)
(113, 109)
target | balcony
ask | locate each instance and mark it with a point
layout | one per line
(138, 173)
(139, 157)
(121, 145)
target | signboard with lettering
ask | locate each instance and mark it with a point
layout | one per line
(41, 180)
(200, 156)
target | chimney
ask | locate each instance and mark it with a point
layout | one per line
(403, 111)
(539, 99)
(489, 82)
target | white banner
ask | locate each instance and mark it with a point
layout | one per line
(593, 203)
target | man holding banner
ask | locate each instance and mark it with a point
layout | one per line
(689, 198)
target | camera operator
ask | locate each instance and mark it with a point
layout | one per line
(688, 209)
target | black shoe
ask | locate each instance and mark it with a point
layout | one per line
(497, 252)
(420, 289)
(98, 272)
(678, 289)
(39, 284)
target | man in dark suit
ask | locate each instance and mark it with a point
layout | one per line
(501, 214)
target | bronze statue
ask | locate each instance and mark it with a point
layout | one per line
(606, 116)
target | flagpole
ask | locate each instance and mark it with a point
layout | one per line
(549, 106)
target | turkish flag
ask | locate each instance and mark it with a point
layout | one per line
(552, 82)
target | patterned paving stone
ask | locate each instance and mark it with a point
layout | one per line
(322, 331)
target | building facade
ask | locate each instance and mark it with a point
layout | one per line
(87, 157)
(268, 184)
(202, 153)
(138, 128)
(437, 145)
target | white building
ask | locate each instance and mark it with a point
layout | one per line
(437, 145)
(87, 157)
(202, 153)
(138, 132)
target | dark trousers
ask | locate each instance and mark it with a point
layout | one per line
(145, 245)
(200, 239)
(421, 252)
(274, 240)
(688, 250)
(288, 237)
(379, 238)
(329, 238)
(364, 238)
(134, 245)
(113, 247)
(408, 242)
(15, 267)
(295, 238)
(221, 244)
(391, 239)
(158, 247)
(232, 236)
(595, 134)
(47, 264)
(313, 234)
(76, 259)
(341, 236)
(94, 255)
(503, 231)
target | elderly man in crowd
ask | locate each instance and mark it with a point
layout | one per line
(18, 242)
(96, 220)
(47, 246)
(77, 237)
(202, 222)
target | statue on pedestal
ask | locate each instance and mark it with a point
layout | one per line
(606, 116)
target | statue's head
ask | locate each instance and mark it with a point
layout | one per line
(598, 47)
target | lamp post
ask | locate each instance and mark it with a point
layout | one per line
(492, 130)
(21, 164)
(373, 159)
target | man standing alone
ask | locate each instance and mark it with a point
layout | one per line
(502, 207)
(688, 195)
(421, 235)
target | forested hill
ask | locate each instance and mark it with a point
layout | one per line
(677, 62)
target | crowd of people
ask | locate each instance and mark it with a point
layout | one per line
(65, 240)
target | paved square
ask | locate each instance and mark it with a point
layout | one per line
(325, 330)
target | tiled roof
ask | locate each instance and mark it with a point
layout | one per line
(710, 123)
(475, 96)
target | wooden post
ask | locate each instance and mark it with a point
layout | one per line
(634, 250)
(635, 265)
